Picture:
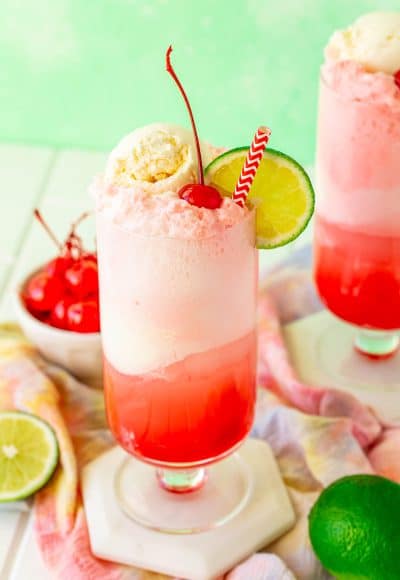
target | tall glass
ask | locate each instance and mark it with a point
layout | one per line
(357, 233)
(179, 339)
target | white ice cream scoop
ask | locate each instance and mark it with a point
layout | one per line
(158, 157)
(373, 41)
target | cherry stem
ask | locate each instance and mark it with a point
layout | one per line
(171, 71)
(40, 219)
(80, 219)
(74, 242)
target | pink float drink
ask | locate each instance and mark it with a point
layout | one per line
(357, 236)
(178, 289)
(178, 316)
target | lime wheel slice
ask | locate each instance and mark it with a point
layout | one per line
(28, 455)
(281, 193)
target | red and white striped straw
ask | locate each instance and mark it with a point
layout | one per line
(251, 164)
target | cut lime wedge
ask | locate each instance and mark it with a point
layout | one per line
(28, 455)
(281, 193)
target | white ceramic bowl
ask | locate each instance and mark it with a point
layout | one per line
(79, 353)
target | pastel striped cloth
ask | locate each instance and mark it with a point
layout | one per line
(317, 436)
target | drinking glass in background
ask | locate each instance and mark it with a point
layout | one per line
(357, 230)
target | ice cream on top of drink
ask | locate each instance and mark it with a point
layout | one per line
(151, 185)
(143, 176)
(373, 41)
(362, 61)
(157, 158)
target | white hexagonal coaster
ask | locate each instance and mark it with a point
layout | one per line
(267, 514)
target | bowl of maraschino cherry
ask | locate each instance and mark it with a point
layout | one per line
(57, 306)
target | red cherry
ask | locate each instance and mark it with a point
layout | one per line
(59, 314)
(91, 257)
(59, 265)
(201, 195)
(82, 278)
(397, 78)
(42, 316)
(42, 292)
(84, 316)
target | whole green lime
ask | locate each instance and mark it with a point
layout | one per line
(355, 528)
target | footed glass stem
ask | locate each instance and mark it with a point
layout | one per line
(183, 501)
(181, 480)
(377, 344)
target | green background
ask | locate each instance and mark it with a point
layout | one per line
(81, 73)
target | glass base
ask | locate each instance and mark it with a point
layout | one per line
(183, 501)
(376, 344)
(359, 358)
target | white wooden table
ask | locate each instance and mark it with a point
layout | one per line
(56, 182)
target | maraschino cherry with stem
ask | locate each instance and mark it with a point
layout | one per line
(70, 252)
(64, 292)
(198, 194)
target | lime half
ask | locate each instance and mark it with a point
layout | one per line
(28, 455)
(281, 193)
